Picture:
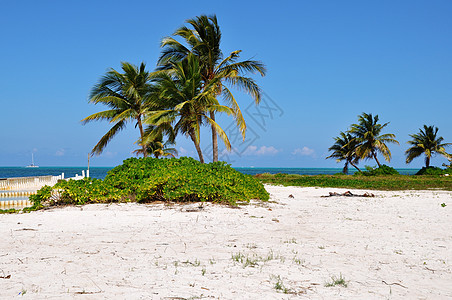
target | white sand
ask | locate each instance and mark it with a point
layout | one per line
(397, 245)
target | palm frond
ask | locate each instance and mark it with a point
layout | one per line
(107, 138)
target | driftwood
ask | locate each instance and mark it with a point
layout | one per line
(350, 194)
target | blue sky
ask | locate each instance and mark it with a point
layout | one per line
(328, 61)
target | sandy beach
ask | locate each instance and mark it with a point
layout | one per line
(397, 245)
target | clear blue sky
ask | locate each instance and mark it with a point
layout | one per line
(328, 61)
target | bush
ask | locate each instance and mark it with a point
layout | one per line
(150, 179)
(433, 171)
(382, 170)
(280, 175)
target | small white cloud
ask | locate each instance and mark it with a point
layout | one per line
(60, 152)
(251, 150)
(109, 154)
(305, 151)
(264, 150)
(182, 151)
(267, 150)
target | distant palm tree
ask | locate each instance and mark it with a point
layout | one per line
(127, 95)
(154, 141)
(188, 101)
(344, 149)
(426, 142)
(158, 148)
(204, 42)
(370, 141)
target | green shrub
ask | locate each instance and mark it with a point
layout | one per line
(280, 175)
(433, 171)
(382, 170)
(41, 196)
(150, 179)
(184, 179)
(87, 190)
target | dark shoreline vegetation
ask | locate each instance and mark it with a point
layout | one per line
(377, 182)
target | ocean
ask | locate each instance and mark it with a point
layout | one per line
(101, 172)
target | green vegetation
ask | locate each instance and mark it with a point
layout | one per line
(253, 260)
(279, 285)
(202, 39)
(370, 141)
(344, 149)
(8, 211)
(382, 182)
(426, 142)
(363, 141)
(154, 145)
(151, 179)
(380, 171)
(127, 95)
(337, 281)
(434, 171)
(187, 102)
(181, 95)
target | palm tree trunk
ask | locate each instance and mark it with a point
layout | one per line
(345, 169)
(140, 126)
(198, 148)
(356, 167)
(427, 161)
(214, 139)
(375, 156)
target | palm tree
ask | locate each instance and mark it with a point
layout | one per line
(187, 101)
(367, 134)
(127, 96)
(344, 149)
(158, 148)
(426, 142)
(203, 40)
(154, 143)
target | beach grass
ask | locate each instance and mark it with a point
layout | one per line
(385, 183)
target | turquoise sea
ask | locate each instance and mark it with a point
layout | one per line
(101, 172)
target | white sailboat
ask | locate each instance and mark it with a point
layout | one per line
(32, 165)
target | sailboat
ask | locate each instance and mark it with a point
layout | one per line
(32, 165)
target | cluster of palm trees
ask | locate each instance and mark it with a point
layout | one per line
(364, 140)
(181, 95)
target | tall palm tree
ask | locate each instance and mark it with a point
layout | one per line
(367, 134)
(344, 149)
(203, 40)
(426, 142)
(126, 95)
(187, 101)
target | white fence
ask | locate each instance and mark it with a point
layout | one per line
(28, 183)
(15, 191)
